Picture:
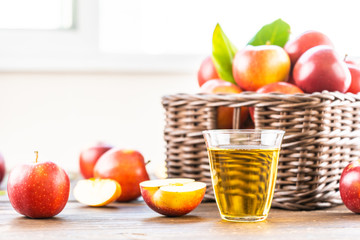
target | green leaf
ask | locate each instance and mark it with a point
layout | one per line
(223, 53)
(275, 33)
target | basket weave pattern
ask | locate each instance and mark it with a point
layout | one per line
(322, 137)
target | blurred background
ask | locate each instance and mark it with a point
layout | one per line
(77, 72)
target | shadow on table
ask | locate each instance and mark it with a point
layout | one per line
(39, 224)
(175, 220)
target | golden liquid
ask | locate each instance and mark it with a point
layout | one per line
(243, 179)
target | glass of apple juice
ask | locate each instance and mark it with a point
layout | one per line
(243, 166)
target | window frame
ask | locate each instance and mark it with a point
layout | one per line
(77, 50)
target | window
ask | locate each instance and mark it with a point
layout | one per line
(156, 35)
(185, 26)
(36, 14)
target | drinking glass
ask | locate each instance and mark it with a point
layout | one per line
(243, 166)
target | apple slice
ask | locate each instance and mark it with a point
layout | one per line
(174, 196)
(97, 192)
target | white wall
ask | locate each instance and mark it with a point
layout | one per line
(59, 114)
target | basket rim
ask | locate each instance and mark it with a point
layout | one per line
(278, 131)
(254, 96)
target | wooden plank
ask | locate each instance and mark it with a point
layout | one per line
(137, 221)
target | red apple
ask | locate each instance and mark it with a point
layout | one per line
(355, 79)
(296, 47)
(219, 86)
(207, 71)
(225, 114)
(38, 190)
(350, 187)
(127, 167)
(320, 68)
(89, 157)
(2, 168)
(249, 124)
(291, 78)
(279, 87)
(257, 66)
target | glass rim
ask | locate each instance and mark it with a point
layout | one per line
(276, 131)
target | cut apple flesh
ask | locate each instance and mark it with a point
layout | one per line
(97, 192)
(185, 187)
(165, 182)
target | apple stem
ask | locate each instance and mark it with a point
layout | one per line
(37, 155)
(345, 57)
(147, 162)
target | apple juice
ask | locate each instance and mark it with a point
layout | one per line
(243, 179)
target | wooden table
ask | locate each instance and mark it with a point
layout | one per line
(136, 221)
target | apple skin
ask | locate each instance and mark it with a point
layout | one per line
(39, 190)
(350, 187)
(88, 158)
(291, 78)
(219, 86)
(207, 71)
(355, 78)
(319, 69)
(127, 167)
(296, 47)
(2, 168)
(257, 66)
(279, 87)
(225, 114)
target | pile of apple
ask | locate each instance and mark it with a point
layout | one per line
(41, 189)
(273, 63)
(113, 174)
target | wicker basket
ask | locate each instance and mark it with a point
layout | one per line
(322, 137)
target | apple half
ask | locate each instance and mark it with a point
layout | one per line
(174, 196)
(97, 192)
